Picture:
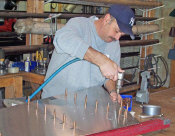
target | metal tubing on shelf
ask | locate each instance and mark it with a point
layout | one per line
(28, 26)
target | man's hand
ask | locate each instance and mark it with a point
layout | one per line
(110, 69)
(115, 97)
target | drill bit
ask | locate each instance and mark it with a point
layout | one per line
(96, 106)
(127, 111)
(74, 127)
(120, 111)
(75, 98)
(54, 116)
(36, 111)
(28, 100)
(64, 120)
(124, 120)
(125, 114)
(37, 104)
(121, 104)
(107, 110)
(85, 103)
(28, 103)
(45, 113)
(66, 93)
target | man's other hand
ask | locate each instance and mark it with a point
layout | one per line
(115, 97)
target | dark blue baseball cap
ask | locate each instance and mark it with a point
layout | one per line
(125, 18)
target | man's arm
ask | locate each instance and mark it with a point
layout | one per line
(111, 88)
(109, 68)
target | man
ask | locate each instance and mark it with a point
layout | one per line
(96, 42)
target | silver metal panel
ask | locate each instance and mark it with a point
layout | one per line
(31, 120)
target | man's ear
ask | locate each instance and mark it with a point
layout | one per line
(107, 18)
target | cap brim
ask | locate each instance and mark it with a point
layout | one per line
(125, 29)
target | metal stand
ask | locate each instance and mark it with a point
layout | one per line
(143, 94)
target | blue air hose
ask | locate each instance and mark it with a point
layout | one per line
(52, 76)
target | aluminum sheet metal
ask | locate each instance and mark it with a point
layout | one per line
(65, 115)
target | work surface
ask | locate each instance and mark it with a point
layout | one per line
(165, 99)
(47, 117)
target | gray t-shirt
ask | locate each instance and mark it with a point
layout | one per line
(72, 41)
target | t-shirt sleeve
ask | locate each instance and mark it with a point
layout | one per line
(69, 39)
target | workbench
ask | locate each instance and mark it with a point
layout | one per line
(13, 83)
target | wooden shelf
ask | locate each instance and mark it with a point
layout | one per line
(64, 15)
(107, 3)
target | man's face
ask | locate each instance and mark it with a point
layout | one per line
(111, 31)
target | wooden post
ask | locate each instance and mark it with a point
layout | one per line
(60, 6)
(148, 49)
(35, 6)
